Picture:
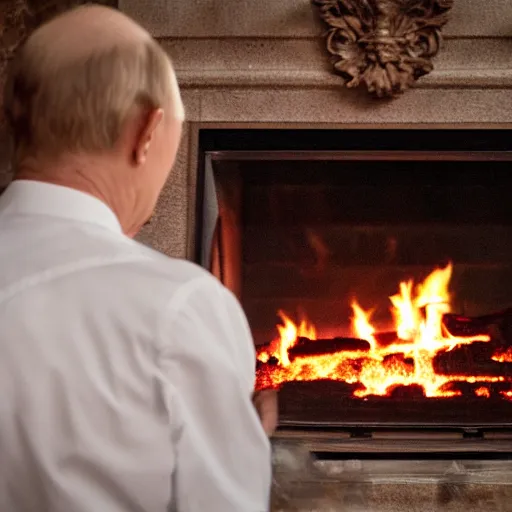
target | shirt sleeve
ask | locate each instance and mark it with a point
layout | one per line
(223, 460)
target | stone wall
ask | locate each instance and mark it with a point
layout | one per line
(251, 64)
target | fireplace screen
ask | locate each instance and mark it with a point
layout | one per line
(377, 277)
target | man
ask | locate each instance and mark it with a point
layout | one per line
(126, 377)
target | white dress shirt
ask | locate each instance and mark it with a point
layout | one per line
(125, 376)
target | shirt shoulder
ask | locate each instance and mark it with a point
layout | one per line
(170, 285)
(187, 288)
(183, 274)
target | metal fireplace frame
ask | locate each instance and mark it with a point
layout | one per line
(342, 440)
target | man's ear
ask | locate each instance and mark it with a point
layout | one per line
(146, 134)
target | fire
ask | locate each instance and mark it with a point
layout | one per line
(406, 315)
(483, 392)
(361, 325)
(409, 361)
(289, 333)
(503, 357)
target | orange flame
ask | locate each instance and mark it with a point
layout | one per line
(418, 314)
(483, 392)
(361, 325)
(289, 333)
(405, 314)
(503, 357)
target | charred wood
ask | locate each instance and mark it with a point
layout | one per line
(459, 325)
(306, 347)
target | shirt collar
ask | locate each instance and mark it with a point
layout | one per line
(27, 197)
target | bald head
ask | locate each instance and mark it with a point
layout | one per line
(79, 77)
(84, 31)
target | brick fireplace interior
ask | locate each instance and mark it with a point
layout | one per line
(301, 224)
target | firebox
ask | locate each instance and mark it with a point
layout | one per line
(375, 268)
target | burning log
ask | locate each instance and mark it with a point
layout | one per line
(458, 325)
(386, 338)
(306, 347)
(431, 353)
(302, 402)
(411, 392)
(474, 359)
(272, 361)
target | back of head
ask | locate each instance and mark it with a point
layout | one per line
(76, 80)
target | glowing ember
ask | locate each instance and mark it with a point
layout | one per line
(483, 392)
(503, 357)
(409, 361)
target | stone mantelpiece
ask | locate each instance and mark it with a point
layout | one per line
(264, 64)
(288, 18)
(250, 43)
(302, 63)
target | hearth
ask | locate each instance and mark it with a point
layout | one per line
(375, 267)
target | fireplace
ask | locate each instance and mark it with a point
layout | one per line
(375, 268)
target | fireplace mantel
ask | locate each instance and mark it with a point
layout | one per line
(264, 64)
(270, 44)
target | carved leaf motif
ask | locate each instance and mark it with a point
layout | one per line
(384, 44)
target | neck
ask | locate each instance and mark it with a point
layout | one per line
(94, 177)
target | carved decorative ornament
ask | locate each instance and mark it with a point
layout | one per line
(385, 45)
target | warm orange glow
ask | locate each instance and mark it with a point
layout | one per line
(503, 357)
(418, 313)
(361, 325)
(289, 333)
(483, 392)
(406, 315)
